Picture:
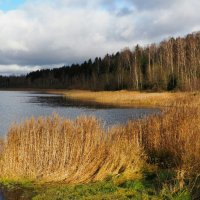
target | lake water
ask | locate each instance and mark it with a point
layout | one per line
(16, 106)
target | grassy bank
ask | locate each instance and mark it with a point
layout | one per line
(154, 185)
(153, 158)
(125, 98)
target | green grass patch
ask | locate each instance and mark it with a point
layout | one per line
(153, 185)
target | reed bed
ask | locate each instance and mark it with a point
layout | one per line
(56, 149)
(80, 151)
(172, 139)
(124, 98)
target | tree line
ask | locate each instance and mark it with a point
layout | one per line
(173, 64)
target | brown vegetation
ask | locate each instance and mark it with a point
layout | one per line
(125, 98)
(55, 149)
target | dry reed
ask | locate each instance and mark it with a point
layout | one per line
(172, 139)
(124, 98)
(56, 149)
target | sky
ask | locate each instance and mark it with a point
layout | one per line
(36, 34)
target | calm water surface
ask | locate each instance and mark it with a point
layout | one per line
(17, 106)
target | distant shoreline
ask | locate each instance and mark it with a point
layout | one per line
(122, 98)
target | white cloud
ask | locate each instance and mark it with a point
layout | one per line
(16, 69)
(68, 31)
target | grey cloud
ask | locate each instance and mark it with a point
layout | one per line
(140, 4)
(124, 11)
(16, 69)
(56, 36)
(152, 4)
(177, 21)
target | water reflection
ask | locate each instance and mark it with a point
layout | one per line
(2, 196)
(61, 101)
(17, 106)
(16, 194)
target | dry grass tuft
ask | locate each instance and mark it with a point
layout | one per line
(55, 149)
(2, 142)
(172, 139)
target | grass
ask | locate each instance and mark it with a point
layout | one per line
(124, 98)
(119, 187)
(131, 189)
(153, 158)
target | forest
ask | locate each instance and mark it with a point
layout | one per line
(173, 64)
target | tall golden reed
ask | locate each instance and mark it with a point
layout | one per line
(56, 149)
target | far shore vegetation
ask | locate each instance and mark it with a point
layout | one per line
(157, 157)
(125, 98)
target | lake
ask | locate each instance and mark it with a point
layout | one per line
(16, 106)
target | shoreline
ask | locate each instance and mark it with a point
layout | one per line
(120, 98)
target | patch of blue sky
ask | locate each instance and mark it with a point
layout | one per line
(116, 5)
(7, 5)
(121, 4)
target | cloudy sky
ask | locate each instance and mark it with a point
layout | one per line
(37, 34)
